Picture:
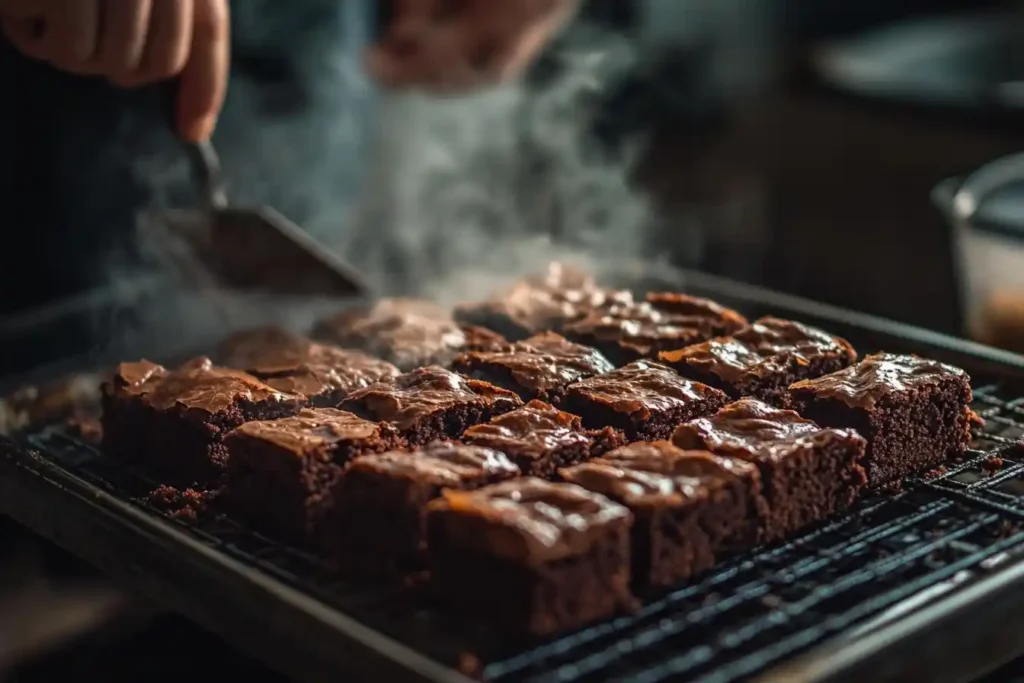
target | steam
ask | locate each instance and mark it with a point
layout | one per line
(445, 198)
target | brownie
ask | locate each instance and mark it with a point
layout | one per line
(406, 332)
(530, 555)
(540, 367)
(665, 321)
(763, 359)
(808, 472)
(175, 420)
(690, 508)
(913, 412)
(377, 521)
(543, 302)
(279, 471)
(323, 374)
(431, 403)
(645, 400)
(540, 438)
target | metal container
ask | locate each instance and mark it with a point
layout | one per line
(986, 213)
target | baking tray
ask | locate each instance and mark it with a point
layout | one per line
(926, 585)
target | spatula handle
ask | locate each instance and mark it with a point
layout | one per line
(202, 156)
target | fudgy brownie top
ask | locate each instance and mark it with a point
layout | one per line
(296, 365)
(314, 429)
(439, 464)
(541, 363)
(197, 385)
(762, 349)
(530, 520)
(544, 302)
(878, 376)
(753, 430)
(657, 474)
(642, 388)
(663, 320)
(415, 395)
(406, 332)
(533, 430)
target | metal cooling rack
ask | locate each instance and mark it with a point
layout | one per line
(845, 577)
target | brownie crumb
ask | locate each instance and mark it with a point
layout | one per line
(187, 505)
(992, 464)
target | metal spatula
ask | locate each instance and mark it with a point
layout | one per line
(249, 250)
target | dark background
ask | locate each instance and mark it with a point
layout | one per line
(803, 186)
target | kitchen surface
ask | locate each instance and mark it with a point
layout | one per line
(784, 145)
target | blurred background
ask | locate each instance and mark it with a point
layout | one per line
(790, 143)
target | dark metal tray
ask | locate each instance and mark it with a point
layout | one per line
(925, 585)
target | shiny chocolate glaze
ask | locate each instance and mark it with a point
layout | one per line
(535, 429)
(878, 376)
(196, 385)
(753, 430)
(642, 388)
(657, 474)
(409, 398)
(765, 348)
(440, 464)
(530, 520)
(541, 363)
(296, 365)
(312, 430)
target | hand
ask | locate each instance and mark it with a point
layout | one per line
(133, 43)
(457, 44)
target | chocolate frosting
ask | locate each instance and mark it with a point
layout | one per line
(534, 431)
(406, 332)
(664, 319)
(753, 430)
(878, 376)
(643, 388)
(546, 301)
(440, 464)
(657, 474)
(196, 385)
(296, 365)
(413, 396)
(765, 348)
(311, 431)
(533, 521)
(542, 362)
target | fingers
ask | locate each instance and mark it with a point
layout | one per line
(204, 81)
(71, 36)
(167, 43)
(125, 27)
(450, 45)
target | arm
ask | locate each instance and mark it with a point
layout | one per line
(451, 45)
(133, 43)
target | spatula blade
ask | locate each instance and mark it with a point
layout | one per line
(255, 250)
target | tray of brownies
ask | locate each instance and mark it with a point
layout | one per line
(673, 477)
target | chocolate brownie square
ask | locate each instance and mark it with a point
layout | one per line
(279, 471)
(406, 332)
(323, 374)
(690, 508)
(763, 359)
(645, 400)
(431, 403)
(529, 555)
(540, 367)
(540, 438)
(808, 472)
(913, 412)
(377, 518)
(665, 321)
(175, 421)
(543, 302)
